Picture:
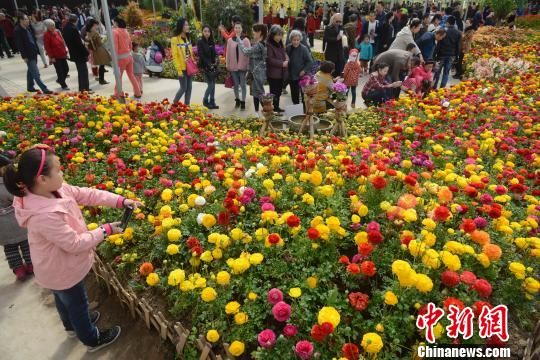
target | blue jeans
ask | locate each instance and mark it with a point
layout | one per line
(72, 305)
(239, 80)
(446, 66)
(210, 90)
(185, 88)
(353, 92)
(32, 74)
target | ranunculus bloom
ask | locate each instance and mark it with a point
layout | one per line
(450, 278)
(441, 213)
(327, 328)
(378, 182)
(365, 249)
(482, 287)
(317, 333)
(453, 301)
(313, 234)
(468, 277)
(275, 296)
(293, 221)
(281, 311)
(290, 330)
(368, 268)
(358, 300)
(353, 269)
(375, 237)
(266, 338)
(303, 349)
(350, 351)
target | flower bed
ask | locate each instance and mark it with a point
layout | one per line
(284, 247)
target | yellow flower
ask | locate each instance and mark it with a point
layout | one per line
(176, 277)
(295, 292)
(312, 282)
(172, 249)
(208, 294)
(166, 195)
(186, 286)
(212, 336)
(241, 318)
(223, 278)
(252, 296)
(316, 178)
(518, 269)
(390, 298)
(531, 285)
(174, 235)
(232, 307)
(236, 348)
(208, 221)
(379, 327)
(239, 265)
(207, 256)
(423, 283)
(329, 314)
(92, 226)
(308, 199)
(167, 223)
(152, 279)
(256, 258)
(372, 343)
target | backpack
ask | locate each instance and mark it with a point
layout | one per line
(158, 57)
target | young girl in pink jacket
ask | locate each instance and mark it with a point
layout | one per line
(62, 248)
(420, 78)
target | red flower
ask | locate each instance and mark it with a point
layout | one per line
(409, 180)
(359, 301)
(353, 269)
(479, 305)
(156, 170)
(350, 351)
(468, 277)
(368, 268)
(317, 334)
(450, 278)
(378, 182)
(441, 213)
(344, 259)
(468, 226)
(453, 301)
(293, 221)
(495, 211)
(482, 287)
(327, 328)
(223, 218)
(313, 234)
(273, 238)
(375, 237)
(365, 249)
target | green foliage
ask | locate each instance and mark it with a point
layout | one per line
(503, 7)
(147, 4)
(221, 11)
(133, 15)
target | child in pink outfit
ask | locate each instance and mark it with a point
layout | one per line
(122, 43)
(62, 248)
(420, 78)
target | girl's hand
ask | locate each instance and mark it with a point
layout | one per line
(115, 227)
(133, 203)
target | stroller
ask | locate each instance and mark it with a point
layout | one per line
(154, 59)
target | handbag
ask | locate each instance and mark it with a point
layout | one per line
(191, 67)
(212, 72)
(229, 83)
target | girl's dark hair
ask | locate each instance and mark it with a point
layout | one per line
(415, 23)
(89, 24)
(134, 45)
(327, 67)
(211, 38)
(120, 22)
(436, 17)
(236, 19)
(415, 61)
(179, 26)
(263, 29)
(5, 159)
(299, 24)
(388, 17)
(23, 176)
(380, 66)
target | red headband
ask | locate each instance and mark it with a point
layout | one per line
(43, 157)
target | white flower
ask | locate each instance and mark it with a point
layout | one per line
(200, 201)
(200, 217)
(485, 90)
(259, 165)
(446, 104)
(328, 148)
(241, 190)
(249, 173)
(2, 133)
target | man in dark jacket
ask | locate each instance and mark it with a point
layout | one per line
(447, 50)
(26, 44)
(77, 51)
(427, 42)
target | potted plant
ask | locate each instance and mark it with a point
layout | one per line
(308, 83)
(339, 95)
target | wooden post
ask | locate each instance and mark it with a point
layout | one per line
(309, 98)
(268, 113)
(339, 127)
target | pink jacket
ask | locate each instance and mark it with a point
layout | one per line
(243, 61)
(122, 42)
(419, 74)
(61, 246)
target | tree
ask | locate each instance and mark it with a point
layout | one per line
(503, 7)
(133, 15)
(219, 12)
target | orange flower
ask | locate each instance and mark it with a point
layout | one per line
(445, 195)
(407, 201)
(492, 251)
(146, 268)
(480, 237)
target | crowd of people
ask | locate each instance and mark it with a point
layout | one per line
(398, 49)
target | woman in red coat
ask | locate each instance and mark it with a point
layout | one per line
(56, 51)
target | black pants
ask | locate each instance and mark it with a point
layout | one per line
(13, 254)
(276, 86)
(4, 45)
(62, 68)
(12, 45)
(101, 73)
(377, 97)
(82, 74)
(339, 67)
(311, 37)
(459, 65)
(256, 103)
(296, 92)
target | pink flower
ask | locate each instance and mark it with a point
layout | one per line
(275, 296)
(281, 311)
(468, 277)
(267, 207)
(266, 338)
(373, 226)
(304, 349)
(290, 330)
